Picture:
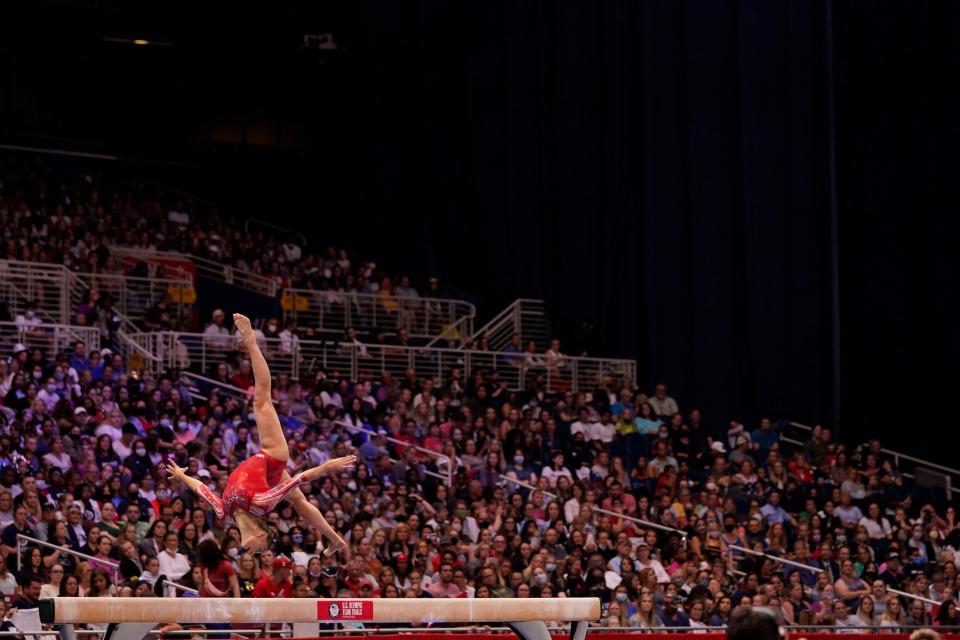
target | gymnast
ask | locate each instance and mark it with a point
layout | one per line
(259, 483)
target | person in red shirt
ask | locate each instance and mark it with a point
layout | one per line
(278, 586)
(259, 483)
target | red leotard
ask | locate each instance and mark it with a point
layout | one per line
(255, 486)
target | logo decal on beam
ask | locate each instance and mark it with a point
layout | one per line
(345, 610)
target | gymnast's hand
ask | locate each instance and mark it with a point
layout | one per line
(339, 464)
(175, 472)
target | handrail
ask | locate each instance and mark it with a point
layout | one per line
(913, 596)
(270, 225)
(217, 383)
(439, 456)
(800, 565)
(897, 455)
(640, 521)
(80, 554)
(779, 559)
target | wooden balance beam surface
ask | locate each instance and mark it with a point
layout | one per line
(254, 610)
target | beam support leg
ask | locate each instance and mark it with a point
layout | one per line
(129, 630)
(530, 630)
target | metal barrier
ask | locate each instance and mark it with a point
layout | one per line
(639, 521)
(49, 338)
(212, 269)
(58, 292)
(335, 311)
(134, 296)
(200, 353)
(949, 474)
(68, 550)
(524, 316)
(45, 285)
(439, 457)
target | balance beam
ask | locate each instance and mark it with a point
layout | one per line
(133, 618)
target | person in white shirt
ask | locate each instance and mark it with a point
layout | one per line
(583, 425)
(877, 526)
(553, 472)
(124, 446)
(603, 430)
(289, 342)
(28, 321)
(216, 336)
(57, 457)
(644, 561)
(112, 426)
(173, 564)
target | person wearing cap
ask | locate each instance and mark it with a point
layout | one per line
(892, 571)
(278, 584)
(216, 335)
(259, 483)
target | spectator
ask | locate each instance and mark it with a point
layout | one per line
(662, 404)
(216, 336)
(278, 584)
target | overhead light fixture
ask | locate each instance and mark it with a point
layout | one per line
(139, 41)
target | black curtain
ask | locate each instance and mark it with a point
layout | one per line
(657, 171)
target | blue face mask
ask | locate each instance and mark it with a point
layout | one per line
(621, 597)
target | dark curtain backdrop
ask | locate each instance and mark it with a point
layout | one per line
(655, 170)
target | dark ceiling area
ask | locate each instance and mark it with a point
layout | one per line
(156, 78)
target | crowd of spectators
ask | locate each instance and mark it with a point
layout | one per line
(613, 494)
(466, 487)
(51, 213)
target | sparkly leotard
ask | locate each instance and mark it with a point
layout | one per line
(256, 486)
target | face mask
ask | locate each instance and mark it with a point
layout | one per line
(457, 527)
(551, 567)
(534, 541)
(37, 375)
(166, 422)
(272, 327)
(315, 574)
(729, 528)
(59, 375)
(621, 597)
(352, 485)
(540, 578)
(218, 415)
(31, 314)
(518, 459)
(461, 513)
(180, 425)
(232, 552)
(338, 513)
(297, 539)
(663, 436)
(51, 388)
(141, 452)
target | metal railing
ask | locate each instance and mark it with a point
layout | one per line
(800, 565)
(335, 311)
(899, 458)
(78, 554)
(639, 521)
(134, 296)
(439, 457)
(199, 353)
(46, 285)
(524, 316)
(49, 338)
(212, 269)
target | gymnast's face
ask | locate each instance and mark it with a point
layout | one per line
(252, 537)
